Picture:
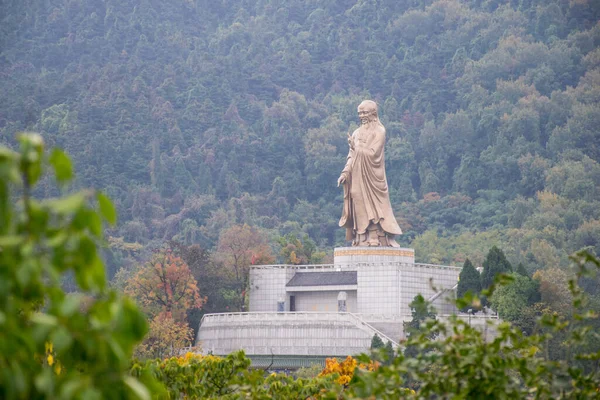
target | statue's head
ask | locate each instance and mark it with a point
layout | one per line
(367, 112)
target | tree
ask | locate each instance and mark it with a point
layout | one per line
(554, 290)
(510, 300)
(165, 284)
(421, 310)
(376, 342)
(211, 283)
(469, 280)
(240, 247)
(495, 263)
(165, 338)
(389, 352)
(299, 251)
(521, 270)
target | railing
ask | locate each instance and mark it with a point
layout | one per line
(491, 315)
(320, 316)
(441, 292)
(293, 266)
(377, 332)
(349, 266)
(436, 266)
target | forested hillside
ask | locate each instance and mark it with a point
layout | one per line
(199, 115)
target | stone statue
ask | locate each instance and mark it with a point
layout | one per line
(367, 215)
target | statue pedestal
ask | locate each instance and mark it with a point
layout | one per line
(353, 256)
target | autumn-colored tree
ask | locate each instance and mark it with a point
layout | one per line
(554, 289)
(165, 339)
(165, 284)
(240, 247)
(346, 369)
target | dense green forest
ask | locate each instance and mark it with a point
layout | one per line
(196, 116)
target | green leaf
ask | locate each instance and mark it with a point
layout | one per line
(44, 381)
(107, 209)
(6, 154)
(94, 223)
(25, 274)
(70, 304)
(67, 205)
(97, 275)
(61, 338)
(10, 241)
(137, 387)
(62, 165)
(44, 319)
(91, 393)
(58, 239)
(32, 147)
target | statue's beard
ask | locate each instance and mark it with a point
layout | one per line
(369, 120)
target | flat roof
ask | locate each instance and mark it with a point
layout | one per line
(335, 278)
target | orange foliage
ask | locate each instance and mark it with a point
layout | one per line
(346, 368)
(165, 284)
(165, 338)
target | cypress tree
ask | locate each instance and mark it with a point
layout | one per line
(421, 310)
(495, 263)
(469, 280)
(376, 342)
(389, 350)
(533, 295)
(521, 270)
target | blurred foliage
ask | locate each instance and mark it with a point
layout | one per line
(210, 377)
(55, 344)
(309, 372)
(345, 369)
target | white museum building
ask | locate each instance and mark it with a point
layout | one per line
(334, 309)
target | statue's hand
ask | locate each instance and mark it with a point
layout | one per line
(341, 179)
(350, 141)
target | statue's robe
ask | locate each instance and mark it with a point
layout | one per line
(366, 196)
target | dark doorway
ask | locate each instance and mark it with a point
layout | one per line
(292, 303)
